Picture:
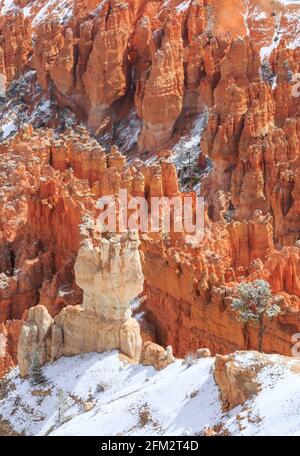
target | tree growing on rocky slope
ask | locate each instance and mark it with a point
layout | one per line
(62, 407)
(255, 303)
(36, 372)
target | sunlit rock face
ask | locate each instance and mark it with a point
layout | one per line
(162, 57)
(110, 275)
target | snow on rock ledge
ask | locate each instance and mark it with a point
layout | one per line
(239, 375)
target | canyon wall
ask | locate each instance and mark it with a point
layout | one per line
(164, 57)
(140, 73)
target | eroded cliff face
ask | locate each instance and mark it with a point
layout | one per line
(47, 211)
(167, 56)
(140, 75)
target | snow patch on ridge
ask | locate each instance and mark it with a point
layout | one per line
(187, 150)
(7, 6)
(289, 2)
(60, 10)
(266, 51)
(127, 131)
(137, 400)
(120, 393)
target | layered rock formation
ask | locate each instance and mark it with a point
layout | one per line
(109, 272)
(159, 104)
(168, 57)
(238, 375)
(47, 210)
(9, 337)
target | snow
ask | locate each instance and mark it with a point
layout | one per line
(183, 6)
(138, 400)
(276, 408)
(7, 6)
(41, 110)
(289, 2)
(294, 20)
(8, 129)
(294, 44)
(192, 140)
(98, 8)
(128, 130)
(186, 151)
(15, 112)
(291, 29)
(126, 391)
(260, 16)
(246, 16)
(62, 10)
(266, 51)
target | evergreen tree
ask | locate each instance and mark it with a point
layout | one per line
(62, 407)
(255, 303)
(36, 372)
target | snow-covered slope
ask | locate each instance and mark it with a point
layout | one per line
(40, 10)
(137, 400)
(129, 399)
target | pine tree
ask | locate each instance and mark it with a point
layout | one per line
(36, 372)
(255, 303)
(62, 407)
